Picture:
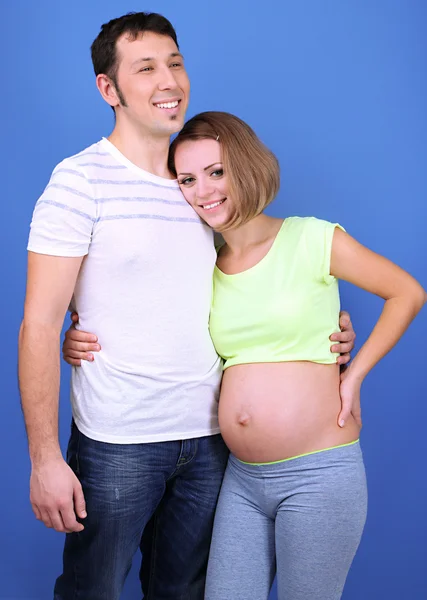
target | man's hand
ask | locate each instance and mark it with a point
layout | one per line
(78, 345)
(55, 491)
(344, 339)
(56, 496)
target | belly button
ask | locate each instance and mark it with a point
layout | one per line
(243, 419)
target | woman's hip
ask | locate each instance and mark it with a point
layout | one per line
(333, 475)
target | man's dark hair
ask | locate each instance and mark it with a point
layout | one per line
(104, 50)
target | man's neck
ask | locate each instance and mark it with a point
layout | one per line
(146, 152)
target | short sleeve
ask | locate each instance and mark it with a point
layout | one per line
(319, 236)
(64, 216)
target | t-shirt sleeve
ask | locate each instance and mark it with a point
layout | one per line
(319, 236)
(64, 216)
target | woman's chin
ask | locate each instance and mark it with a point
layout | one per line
(216, 224)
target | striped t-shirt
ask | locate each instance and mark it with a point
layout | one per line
(144, 288)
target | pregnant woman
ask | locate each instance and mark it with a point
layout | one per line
(293, 499)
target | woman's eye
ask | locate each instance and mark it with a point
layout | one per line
(186, 181)
(218, 173)
(146, 69)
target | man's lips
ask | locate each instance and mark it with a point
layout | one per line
(169, 104)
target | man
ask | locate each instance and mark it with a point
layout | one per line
(113, 234)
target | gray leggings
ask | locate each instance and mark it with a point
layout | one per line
(302, 518)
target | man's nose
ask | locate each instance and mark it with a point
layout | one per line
(167, 79)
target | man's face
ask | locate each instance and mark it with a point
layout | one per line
(153, 83)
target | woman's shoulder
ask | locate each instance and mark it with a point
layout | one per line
(310, 224)
(305, 221)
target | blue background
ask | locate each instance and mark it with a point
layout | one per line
(338, 89)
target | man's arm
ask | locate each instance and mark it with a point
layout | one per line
(80, 345)
(55, 492)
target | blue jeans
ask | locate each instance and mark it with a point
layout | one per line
(160, 496)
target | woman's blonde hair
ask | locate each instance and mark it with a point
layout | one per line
(251, 168)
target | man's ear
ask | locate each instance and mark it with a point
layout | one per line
(107, 90)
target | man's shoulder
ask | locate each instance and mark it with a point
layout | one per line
(72, 177)
(91, 154)
(96, 164)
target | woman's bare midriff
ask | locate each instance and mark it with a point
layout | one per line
(273, 411)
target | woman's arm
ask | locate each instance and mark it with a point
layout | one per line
(403, 295)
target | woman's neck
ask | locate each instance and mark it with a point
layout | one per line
(256, 231)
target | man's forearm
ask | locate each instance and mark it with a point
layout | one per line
(39, 385)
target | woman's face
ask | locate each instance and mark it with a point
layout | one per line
(202, 180)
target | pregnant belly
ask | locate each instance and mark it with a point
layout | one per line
(273, 411)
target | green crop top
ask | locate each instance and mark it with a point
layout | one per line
(286, 306)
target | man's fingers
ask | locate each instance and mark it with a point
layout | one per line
(36, 512)
(345, 320)
(70, 522)
(81, 337)
(75, 362)
(342, 348)
(45, 517)
(343, 359)
(56, 520)
(79, 501)
(343, 336)
(76, 354)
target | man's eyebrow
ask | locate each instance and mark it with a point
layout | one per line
(151, 58)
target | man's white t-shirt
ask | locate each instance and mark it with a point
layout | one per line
(144, 288)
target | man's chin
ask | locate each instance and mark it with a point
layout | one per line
(175, 124)
(168, 128)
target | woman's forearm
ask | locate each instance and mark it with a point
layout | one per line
(395, 318)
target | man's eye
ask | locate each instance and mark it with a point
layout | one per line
(176, 64)
(145, 69)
